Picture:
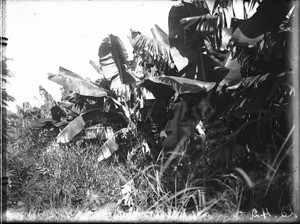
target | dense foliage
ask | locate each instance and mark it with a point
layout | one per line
(188, 129)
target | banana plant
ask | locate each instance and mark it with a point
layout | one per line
(189, 27)
(106, 109)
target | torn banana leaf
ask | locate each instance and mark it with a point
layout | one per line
(77, 125)
(156, 51)
(107, 63)
(120, 56)
(108, 148)
(204, 24)
(98, 131)
(76, 83)
(113, 58)
(72, 129)
(47, 97)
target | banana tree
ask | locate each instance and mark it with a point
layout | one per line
(254, 113)
(99, 106)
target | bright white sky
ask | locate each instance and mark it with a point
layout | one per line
(43, 35)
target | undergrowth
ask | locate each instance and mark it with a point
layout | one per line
(45, 176)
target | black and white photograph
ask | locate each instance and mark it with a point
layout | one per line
(150, 111)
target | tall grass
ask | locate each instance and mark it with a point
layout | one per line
(58, 176)
(45, 176)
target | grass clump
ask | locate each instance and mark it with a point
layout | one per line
(46, 175)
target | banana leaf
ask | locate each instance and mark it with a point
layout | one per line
(268, 16)
(108, 148)
(96, 67)
(97, 115)
(182, 54)
(176, 128)
(183, 85)
(156, 50)
(76, 83)
(98, 131)
(106, 60)
(159, 34)
(72, 129)
(47, 97)
(204, 25)
(120, 57)
(158, 90)
(113, 58)
(188, 26)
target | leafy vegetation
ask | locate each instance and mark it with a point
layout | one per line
(178, 129)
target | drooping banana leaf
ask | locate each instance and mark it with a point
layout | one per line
(120, 57)
(74, 82)
(72, 129)
(97, 115)
(108, 148)
(113, 58)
